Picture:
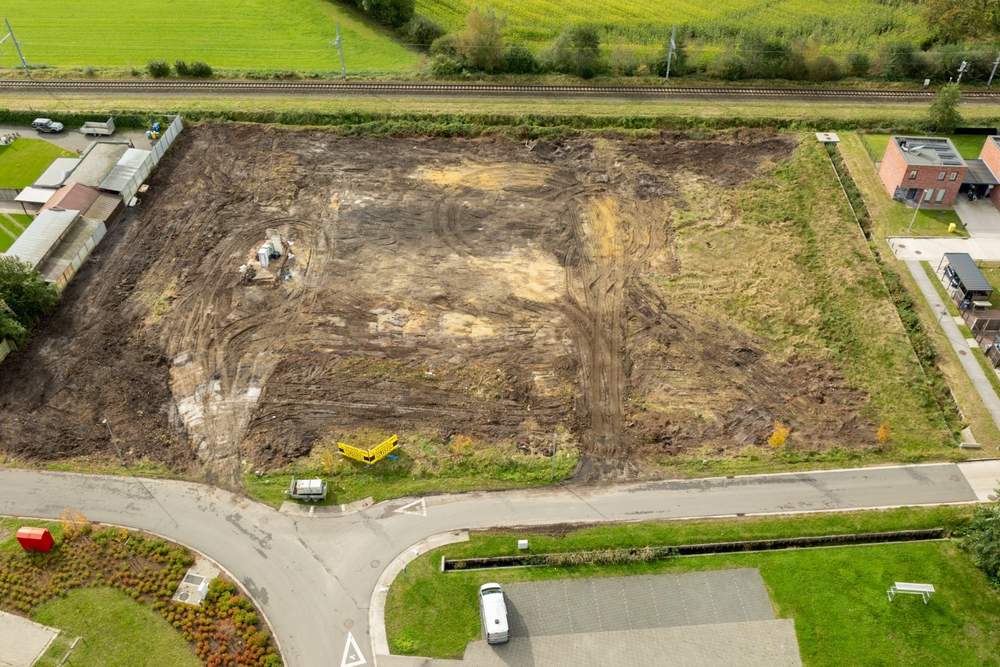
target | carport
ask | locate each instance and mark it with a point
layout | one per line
(965, 282)
(978, 181)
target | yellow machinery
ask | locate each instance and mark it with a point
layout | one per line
(370, 456)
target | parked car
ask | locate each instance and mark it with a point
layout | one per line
(47, 125)
(493, 609)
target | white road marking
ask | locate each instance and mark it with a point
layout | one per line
(353, 657)
(420, 505)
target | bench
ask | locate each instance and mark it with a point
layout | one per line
(923, 590)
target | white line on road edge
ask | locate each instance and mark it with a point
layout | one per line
(352, 653)
(421, 508)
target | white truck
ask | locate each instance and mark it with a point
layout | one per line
(493, 609)
(94, 128)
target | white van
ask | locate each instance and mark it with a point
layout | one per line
(493, 609)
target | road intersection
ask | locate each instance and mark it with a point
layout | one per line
(314, 576)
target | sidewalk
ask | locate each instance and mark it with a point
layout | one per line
(976, 374)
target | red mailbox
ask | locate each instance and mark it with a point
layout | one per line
(35, 539)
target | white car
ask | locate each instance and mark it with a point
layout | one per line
(493, 609)
(47, 125)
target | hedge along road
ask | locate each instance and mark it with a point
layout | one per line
(313, 576)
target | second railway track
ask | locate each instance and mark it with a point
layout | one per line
(463, 89)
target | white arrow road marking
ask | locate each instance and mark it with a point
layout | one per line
(352, 653)
(420, 506)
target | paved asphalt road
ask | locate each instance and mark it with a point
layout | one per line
(314, 576)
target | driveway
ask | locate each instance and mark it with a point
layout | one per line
(314, 577)
(981, 218)
(71, 140)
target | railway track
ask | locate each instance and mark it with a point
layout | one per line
(464, 89)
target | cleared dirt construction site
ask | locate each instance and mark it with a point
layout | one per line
(587, 291)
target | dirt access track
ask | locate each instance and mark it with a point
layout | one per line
(492, 288)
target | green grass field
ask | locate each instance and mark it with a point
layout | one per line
(117, 631)
(25, 160)
(227, 34)
(646, 24)
(11, 226)
(835, 595)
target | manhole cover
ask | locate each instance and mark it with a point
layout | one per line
(375, 563)
(183, 596)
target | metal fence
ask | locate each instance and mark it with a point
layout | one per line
(156, 153)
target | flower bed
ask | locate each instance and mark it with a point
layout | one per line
(224, 630)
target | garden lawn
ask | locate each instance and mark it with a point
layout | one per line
(11, 226)
(227, 34)
(8, 528)
(836, 596)
(24, 161)
(117, 631)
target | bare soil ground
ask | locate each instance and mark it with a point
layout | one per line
(491, 288)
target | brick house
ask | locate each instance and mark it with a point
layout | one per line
(927, 168)
(990, 156)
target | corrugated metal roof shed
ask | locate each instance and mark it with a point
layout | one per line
(121, 174)
(965, 268)
(57, 173)
(33, 195)
(104, 208)
(100, 158)
(42, 236)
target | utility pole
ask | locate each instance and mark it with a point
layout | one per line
(339, 43)
(17, 46)
(996, 63)
(670, 51)
(962, 69)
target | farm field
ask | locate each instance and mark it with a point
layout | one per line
(24, 161)
(626, 321)
(227, 34)
(11, 226)
(836, 595)
(839, 25)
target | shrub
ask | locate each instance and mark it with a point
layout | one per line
(823, 68)
(25, 298)
(900, 60)
(576, 50)
(392, 13)
(444, 66)
(858, 64)
(519, 60)
(481, 43)
(883, 435)
(678, 64)
(200, 70)
(779, 435)
(422, 31)
(982, 540)
(158, 69)
(181, 68)
(624, 62)
(943, 115)
(446, 45)
(729, 67)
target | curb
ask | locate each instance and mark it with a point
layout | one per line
(303, 510)
(376, 609)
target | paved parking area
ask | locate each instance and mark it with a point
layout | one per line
(981, 218)
(567, 606)
(694, 618)
(22, 641)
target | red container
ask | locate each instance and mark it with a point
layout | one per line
(35, 539)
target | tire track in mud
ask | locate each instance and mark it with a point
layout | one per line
(604, 284)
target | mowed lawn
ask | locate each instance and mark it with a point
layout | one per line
(648, 22)
(11, 226)
(836, 596)
(228, 34)
(24, 161)
(117, 631)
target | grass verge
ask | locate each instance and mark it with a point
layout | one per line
(835, 595)
(11, 226)
(423, 466)
(117, 631)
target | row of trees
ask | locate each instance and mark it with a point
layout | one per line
(481, 47)
(24, 299)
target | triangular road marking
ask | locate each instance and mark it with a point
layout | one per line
(417, 507)
(353, 657)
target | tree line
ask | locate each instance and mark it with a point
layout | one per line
(24, 299)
